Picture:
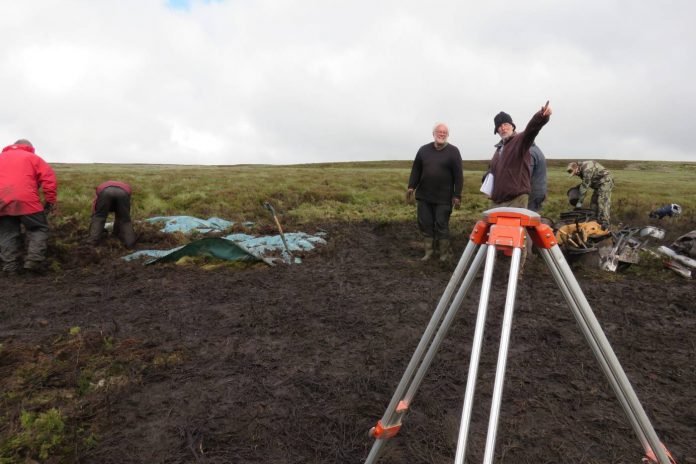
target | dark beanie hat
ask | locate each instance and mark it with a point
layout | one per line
(500, 119)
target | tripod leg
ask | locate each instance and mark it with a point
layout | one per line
(502, 356)
(565, 289)
(475, 356)
(446, 322)
(604, 353)
(392, 416)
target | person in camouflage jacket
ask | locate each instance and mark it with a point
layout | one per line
(598, 178)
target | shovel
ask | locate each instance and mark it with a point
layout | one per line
(270, 208)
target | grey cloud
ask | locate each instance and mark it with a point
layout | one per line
(276, 82)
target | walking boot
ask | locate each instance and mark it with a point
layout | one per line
(428, 244)
(445, 251)
(35, 267)
(96, 228)
(11, 267)
(127, 234)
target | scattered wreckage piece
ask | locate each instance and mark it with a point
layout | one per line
(666, 210)
(680, 256)
(680, 264)
(678, 268)
(686, 244)
(628, 243)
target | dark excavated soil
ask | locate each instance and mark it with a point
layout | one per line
(293, 364)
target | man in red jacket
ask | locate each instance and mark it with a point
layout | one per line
(112, 196)
(22, 174)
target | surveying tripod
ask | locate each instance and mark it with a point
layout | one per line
(504, 229)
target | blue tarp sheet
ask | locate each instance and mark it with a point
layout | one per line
(188, 224)
(233, 247)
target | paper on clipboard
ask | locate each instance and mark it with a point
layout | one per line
(487, 186)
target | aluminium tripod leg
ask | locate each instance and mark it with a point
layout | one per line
(475, 356)
(565, 289)
(388, 426)
(446, 322)
(604, 353)
(502, 356)
(476, 353)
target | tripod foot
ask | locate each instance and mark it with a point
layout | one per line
(650, 457)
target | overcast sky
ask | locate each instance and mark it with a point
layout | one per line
(304, 81)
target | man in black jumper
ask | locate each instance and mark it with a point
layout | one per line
(437, 179)
(511, 161)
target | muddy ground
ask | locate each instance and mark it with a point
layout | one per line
(293, 364)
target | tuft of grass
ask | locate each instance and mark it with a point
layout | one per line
(40, 434)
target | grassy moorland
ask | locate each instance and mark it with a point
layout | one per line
(347, 191)
(58, 388)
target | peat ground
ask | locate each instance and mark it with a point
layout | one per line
(293, 364)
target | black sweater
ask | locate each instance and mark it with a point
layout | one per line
(437, 175)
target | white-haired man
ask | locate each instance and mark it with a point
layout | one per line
(437, 180)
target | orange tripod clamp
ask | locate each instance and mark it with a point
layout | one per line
(511, 218)
(507, 231)
(382, 432)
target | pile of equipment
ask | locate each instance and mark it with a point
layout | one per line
(628, 243)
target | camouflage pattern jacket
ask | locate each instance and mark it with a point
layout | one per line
(594, 176)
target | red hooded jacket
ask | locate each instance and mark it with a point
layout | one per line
(22, 173)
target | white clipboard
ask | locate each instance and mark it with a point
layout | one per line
(487, 186)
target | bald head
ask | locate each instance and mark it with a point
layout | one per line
(23, 142)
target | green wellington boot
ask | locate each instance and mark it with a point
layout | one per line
(445, 250)
(428, 245)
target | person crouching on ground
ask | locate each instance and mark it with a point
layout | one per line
(112, 196)
(597, 177)
(22, 174)
(437, 180)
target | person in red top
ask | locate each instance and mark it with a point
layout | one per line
(112, 196)
(22, 174)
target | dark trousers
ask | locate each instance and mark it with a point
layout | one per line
(116, 200)
(433, 219)
(535, 202)
(36, 228)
